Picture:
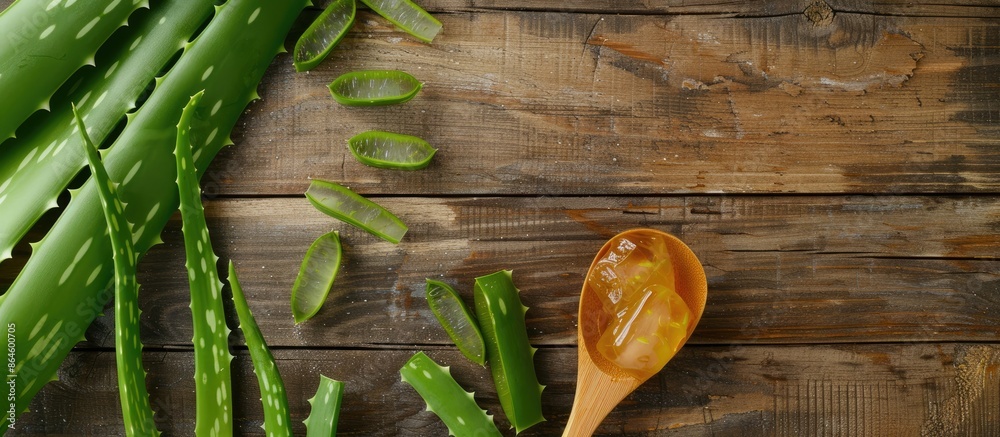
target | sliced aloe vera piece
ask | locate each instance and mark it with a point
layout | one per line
(407, 16)
(277, 422)
(456, 407)
(374, 87)
(319, 269)
(501, 318)
(324, 34)
(457, 320)
(391, 150)
(349, 207)
(322, 420)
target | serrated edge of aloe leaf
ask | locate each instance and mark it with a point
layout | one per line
(392, 165)
(381, 101)
(330, 238)
(444, 397)
(351, 220)
(510, 355)
(137, 411)
(277, 421)
(407, 29)
(311, 63)
(462, 346)
(213, 373)
(323, 417)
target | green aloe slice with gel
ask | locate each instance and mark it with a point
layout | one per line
(315, 279)
(407, 16)
(457, 320)
(374, 87)
(324, 34)
(341, 203)
(391, 150)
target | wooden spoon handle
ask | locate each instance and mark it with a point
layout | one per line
(597, 393)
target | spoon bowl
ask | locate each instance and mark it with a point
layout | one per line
(601, 384)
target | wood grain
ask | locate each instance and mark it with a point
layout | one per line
(780, 269)
(859, 390)
(642, 104)
(833, 164)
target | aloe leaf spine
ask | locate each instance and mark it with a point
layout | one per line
(456, 407)
(44, 42)
(325, 408)
(37, 165)
(511, 357)
(212, 371)
(137, 412)
(277, 421)
(71, 267)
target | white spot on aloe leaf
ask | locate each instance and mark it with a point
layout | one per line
(132, 172)
(111, 7)
(503, 307)
(88, 27)
(69, 3)
(46, 32)
(215, 108)
(210, 317)
(211, 136)
(26, 159)
(84, 99)
(98, 102)
(208, 72)
(163, 20)
(60, 148)
(428, 375)
(253, 16)
(111, 70)
(93, 275)
(135, 43)
(52, 5)
(38, 326)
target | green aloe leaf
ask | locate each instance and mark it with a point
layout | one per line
(322, 420)
(456, 407)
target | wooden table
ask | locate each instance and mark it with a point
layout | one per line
(833, 164)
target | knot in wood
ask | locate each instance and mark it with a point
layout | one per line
(819, 13)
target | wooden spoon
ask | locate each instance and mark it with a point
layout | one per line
(600, 383)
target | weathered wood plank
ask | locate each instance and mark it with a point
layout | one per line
(533, 103)
(781, 269)
(874, 390)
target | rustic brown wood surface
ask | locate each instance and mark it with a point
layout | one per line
(835, 165)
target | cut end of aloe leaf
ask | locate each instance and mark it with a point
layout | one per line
(457, 320)
(407, 16)
(374, 88)
(345, 205)
(391, 150)
(316, 276)
(324, 34)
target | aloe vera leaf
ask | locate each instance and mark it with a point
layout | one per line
(212, 372)
(349, 207)
(37, 165)
(44, 42)
(501, 318)
(374, 87)
(277, 422)
(316, 276)
(324, 34)
(137, 412)
(391, 150)
(325, 408)
(457, 320)
(407, 16)
(456, 407)
(71, 267)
